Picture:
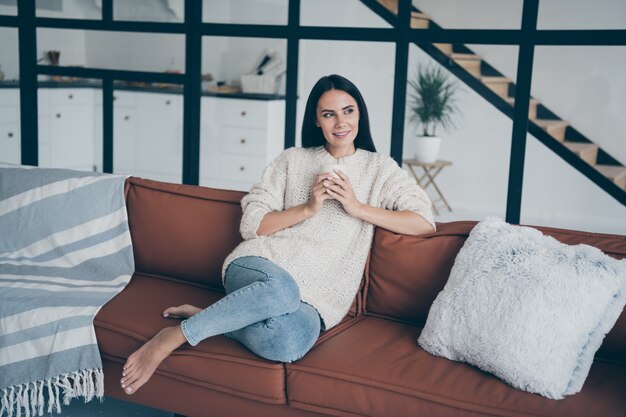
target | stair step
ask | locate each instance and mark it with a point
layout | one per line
(588, 152)
(615, 173)
(500, 85)
(446, 48)
(556, 128)
(391, 5)
(465, 57)
(470, 62)
(532, 106)
(419, 20)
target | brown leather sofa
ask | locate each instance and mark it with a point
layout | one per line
(369, 365)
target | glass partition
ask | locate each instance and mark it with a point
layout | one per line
(462, 14)
(148, 132)
(149, 10)
(581, 14)
(346, 13)
(581, 104)
(256, 12)
(471, 168)
(113, 50)
(8, 7)
(70, 135)
(243, 109)
(75, 9)
(244, 65)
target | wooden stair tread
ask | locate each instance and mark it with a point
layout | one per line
(465, 57)
(391, 5)
(418, 15)
(495, 80)
(546, 123)
(581, 147)
(444, 47)
(613, 172)
(511, 101)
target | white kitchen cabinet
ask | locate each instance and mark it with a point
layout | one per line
(238, 138)
(71, 128)
(10, 146)
(43, 126)
(148, 135)
(159, 136)
(124, 132)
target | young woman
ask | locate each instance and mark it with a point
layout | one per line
(306, 238)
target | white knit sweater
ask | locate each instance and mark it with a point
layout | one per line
(326, 253)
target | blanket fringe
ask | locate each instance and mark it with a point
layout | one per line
(28, 400)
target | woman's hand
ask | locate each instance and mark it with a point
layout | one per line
(318, 195)
(341, 190)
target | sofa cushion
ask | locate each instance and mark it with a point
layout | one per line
(376, 368)
(526, 307)
(134, 316)
(407, 272)
(183, 231)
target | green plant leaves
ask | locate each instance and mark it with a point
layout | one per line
(432, 99)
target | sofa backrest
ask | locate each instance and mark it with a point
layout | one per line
(181, 231)
(185, 232)
(406, 273)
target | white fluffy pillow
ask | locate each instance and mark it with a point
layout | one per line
(527, 308)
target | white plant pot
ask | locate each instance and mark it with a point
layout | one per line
(427, 148)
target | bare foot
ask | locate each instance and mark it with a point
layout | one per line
(142, 363)
(183, 311)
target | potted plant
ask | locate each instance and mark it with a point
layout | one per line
(432, 104)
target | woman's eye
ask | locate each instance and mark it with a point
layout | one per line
(327, 115)
(349, 111)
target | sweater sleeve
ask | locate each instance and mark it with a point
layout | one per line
(265, 196)
(401, 193)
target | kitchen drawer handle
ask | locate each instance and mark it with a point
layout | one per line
(243, 113)
(242, 168)
(58, 115)
(70, 96)
(168, 102)
(10, 134)
(243, 141)
(114, 98)
(126, 117)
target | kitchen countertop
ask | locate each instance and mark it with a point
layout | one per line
(169, 89)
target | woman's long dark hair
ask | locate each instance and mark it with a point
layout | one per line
(312, 135)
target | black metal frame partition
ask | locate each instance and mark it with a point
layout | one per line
(526, 38)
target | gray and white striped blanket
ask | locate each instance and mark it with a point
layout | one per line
(65, 251)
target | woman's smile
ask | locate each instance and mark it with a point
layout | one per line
(341, 134)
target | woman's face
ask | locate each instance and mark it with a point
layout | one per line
(338, 116)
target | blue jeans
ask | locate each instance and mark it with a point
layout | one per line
(262, 310)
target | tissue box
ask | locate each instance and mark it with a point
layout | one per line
(264, 84)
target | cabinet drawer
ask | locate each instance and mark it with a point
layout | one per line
(242, 141)
(244, 113)
(8, 97)
(8, 114)
(70, 96)
(10, 146)
(242, 168)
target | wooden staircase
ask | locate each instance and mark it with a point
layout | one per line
(558, 129)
